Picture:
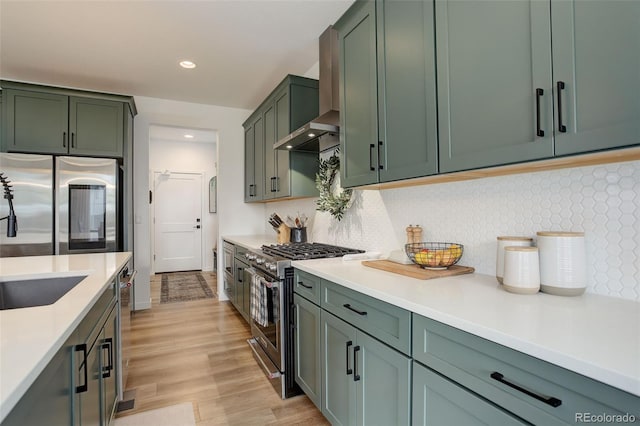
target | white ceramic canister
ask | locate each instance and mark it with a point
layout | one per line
(521, 270)
(502, 243)
(563, 264)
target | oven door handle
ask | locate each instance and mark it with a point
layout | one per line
(269, 284)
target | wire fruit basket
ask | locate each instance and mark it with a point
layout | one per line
(437, 256)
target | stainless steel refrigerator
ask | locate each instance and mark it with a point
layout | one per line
(63, 205)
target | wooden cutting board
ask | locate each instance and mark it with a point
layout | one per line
(414, 271)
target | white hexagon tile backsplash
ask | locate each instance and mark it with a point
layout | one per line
(603, 201)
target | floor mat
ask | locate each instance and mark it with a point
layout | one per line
(174, 415)
(183, 287)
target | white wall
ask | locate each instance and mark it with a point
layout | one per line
(234, 216)
(191, 157)
(603, 201)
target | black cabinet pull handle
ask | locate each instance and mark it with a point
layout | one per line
(348, 306)
(251, 190)
(554, 402)
(356, 376)
(277, 178)
(64, 139)
(561, 127)
(304, 285)
(106, 370)
(380, 166)
(73, 140)
(240, 275)
(110, 342)
(371, 147)
(83, 347)
(539, 93)
(273, 186)
(349, 371)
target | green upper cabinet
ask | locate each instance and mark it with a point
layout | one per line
(48, 120)
(596, 56)
(495, 103)
(96, 127)
(254, 160)
(280, 173)
(35, 122)
(387, 92)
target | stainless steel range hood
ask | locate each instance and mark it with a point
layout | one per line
(321, 133)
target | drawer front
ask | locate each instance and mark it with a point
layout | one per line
(240, 251)
(534, 390)
(307, 285)
(382, 320)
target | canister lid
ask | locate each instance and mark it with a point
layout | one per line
(559, 234)
(515, 238)
(519, 248)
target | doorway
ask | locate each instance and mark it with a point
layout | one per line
(177, 219)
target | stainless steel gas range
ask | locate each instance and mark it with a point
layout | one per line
(272, 320)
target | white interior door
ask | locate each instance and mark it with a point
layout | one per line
(177, 221)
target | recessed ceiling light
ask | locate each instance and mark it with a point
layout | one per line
(187, 64)
(311, 135)
(289, 146)
(188, 136)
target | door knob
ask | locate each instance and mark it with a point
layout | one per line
(197, 227)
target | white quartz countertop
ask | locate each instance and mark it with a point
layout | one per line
(30, 337)
(596, 336)
(254, 242)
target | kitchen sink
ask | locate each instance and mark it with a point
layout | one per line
(16, 294)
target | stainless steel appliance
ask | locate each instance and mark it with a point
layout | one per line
(63, 205)
(32, 179)
(86, 200)
(272, 344)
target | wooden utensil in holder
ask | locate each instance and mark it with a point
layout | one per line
(284, 234)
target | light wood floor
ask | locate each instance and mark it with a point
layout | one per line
(197, 352)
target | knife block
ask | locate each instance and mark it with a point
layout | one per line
(284, 234)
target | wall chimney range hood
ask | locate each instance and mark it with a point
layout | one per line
(322, 132)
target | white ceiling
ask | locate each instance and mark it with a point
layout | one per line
(242, 49)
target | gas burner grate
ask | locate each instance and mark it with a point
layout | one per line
(302, 251)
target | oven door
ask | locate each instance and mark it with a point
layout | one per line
(266, 325)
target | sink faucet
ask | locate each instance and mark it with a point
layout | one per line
(12, 221)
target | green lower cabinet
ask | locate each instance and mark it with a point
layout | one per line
(438, 401)
(365, 382)
(51, 394)
(308, 367)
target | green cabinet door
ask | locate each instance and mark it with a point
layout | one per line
(338, 385)
(96, 127)
(438, 401)
(109, 365)
(35, 122)
(270, 165)
(48, 399)
(249, 164)
(89, 400)
(384, 386)
(308, 366)
(596, 56)
(283, 128)
(358, 95)
(254, 161)
(407, 123)
(492, 57)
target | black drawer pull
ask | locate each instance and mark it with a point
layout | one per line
(561, 127)
(539, 131)
(83, 348)
(554, 402)
(64, 139)
(380, 165)
(356, 376)
(73, 140)
(349, 371)
(304, 285)
(348, 306)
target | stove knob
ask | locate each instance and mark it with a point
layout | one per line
(259, 260)
(273, 267)
(247, 256)
(251, 256)
(267, 265)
